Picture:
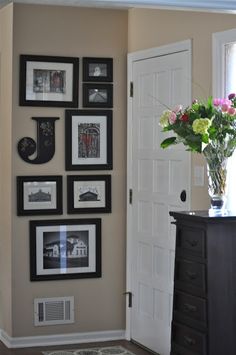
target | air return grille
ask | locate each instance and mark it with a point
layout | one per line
(51, 311)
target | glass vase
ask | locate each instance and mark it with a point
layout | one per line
(217, 176)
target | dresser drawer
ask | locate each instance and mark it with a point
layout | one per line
(193, 341)
(192, 308)
(191, 241)
(190, 276)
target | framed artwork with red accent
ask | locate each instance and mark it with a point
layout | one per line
(88, 140)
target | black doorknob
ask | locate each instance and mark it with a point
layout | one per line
(183, 196)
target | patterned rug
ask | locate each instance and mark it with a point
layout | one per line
(109, 350)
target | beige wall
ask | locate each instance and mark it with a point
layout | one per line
(68, 31)
(153, 28)
(6, 17)
(78, 32)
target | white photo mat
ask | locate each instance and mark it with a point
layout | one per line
(62, 230)
(34, 65)
(32, 187)
(102, 121)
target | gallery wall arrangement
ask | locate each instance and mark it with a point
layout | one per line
(63, 249)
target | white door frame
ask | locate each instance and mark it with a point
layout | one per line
(133, 57)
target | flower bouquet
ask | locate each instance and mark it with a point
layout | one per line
(208, 128)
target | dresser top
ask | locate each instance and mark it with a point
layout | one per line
(206, 216)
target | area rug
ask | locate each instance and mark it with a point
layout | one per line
(109, 350)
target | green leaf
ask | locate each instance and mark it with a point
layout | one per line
(168, 141)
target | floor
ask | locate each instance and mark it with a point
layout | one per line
(38, 351)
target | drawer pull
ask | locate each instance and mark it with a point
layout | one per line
(189, 340)
(192, 243)
(191, 275)
(190, 308)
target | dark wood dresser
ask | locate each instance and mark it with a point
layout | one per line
(204, 307)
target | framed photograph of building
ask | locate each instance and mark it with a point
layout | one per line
(49, 81)
(98, 95)
(89, 194)
(65, 249)
(39, 195)
(88, 140)
(97, 69)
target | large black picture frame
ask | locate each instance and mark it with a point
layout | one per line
(88, 194)
(65, 249)
(88, 140)
(39, 195)
(48, 81)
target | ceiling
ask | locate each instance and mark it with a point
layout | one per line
(228, 6)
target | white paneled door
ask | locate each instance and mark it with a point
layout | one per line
(157, 178)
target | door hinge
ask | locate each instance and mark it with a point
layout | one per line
(131, 89)
(130, 196)
(129, 294)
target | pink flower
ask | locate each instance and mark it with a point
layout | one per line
(217, 102)
(225, 108)
(178, 108)
(172, 117)
(232, 111)
(226, 102)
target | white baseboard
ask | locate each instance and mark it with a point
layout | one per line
(60, 339)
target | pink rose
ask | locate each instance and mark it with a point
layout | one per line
(225, 107)
(217, 102)
(178, 108)
(232, 111)
(172, 118)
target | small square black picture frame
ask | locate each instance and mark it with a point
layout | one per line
(98, 95)
(97, 69)
(33, 192)
(48, 81)
(96, 197)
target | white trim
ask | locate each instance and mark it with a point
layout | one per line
(132, 57)
(219, 40)
(158, 51)
(224, 6)
(60, 339)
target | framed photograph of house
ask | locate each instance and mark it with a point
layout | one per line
(98, 69)
(65, 249)
(97, 95)
(49, 81)
(89, 194)
(39, 195)
(88, 140)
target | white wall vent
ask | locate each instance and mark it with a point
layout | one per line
(52, 311)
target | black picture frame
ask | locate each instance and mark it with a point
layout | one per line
(88, 137)
(88, 194)
(98, 95)
(39, 195)
(65, 249)
(97, 69)
(48, 81)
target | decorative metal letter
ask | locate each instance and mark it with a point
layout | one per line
(45, 146)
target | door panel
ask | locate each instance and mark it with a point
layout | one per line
(159, 177)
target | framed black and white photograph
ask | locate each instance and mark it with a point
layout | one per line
(49, 81)
(88, 140)
(65, 249)
(89, 194)
(39, 195)
(98, 69)
(98, 95)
